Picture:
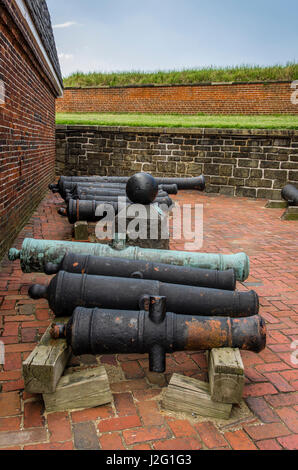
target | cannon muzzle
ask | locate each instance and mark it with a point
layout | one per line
(157, 332)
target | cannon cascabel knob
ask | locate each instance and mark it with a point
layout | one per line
(51, 268)
(38, 291)
(14, 254)
(62, 211)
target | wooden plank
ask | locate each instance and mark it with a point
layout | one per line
(185, 394)
(45, 365)
(226, 375)
(80, 390)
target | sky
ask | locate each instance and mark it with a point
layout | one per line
(150, 35)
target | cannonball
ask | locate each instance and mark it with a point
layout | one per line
(142, 188)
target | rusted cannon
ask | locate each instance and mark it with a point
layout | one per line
(67, 291)
(152, 330)
(87, 211)
(96, 266)
(290, 194)
(35, 254)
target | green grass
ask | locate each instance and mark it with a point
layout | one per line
(241, 73)
(178, 120)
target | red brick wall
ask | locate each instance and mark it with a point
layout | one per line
(27, 132)
(249, 98)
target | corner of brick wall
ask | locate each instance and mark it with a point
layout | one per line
(27, 150)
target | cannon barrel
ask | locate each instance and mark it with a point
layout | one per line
(164, 190)
(34, 255)
(94, 265)
(290, 194)
(77, 210)
(85, 210)
(112, 194)
(68, 187)
(66, 291)
(157, 332)
(197, 183)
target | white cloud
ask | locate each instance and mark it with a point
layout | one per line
(65, 25)
(64, 56)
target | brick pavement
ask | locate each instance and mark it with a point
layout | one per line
(135, 420)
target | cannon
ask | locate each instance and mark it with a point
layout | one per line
(84, 193)
(66, 291)
(197, 183)
(111, 195)
(77, 210)
(35, 254)
(290, 194)
(94, 265)
(157, 332)
(87, 211)
(71, 188)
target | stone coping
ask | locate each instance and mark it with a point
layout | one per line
(183, 130)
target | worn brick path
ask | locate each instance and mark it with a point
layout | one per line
(135, 420)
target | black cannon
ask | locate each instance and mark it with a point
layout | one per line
(152, 330)
(120, 267)
(84, 194)
(67, 291)
(71, 188)
(290, 194)
(197, 183)
(87, 211)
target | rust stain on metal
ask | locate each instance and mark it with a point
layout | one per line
(206, 335)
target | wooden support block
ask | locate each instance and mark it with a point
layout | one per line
(81, 231)
(185, 394)
(80, 390)
(45, 365)
(276, 205)
(226, 375)
(291, 213)
(153, 226)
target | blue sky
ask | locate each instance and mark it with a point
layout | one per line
(111, 35)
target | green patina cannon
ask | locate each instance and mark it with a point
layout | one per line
(35, 254)
(157, 332)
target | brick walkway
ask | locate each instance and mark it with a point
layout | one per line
(135, 420)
